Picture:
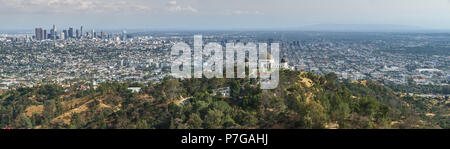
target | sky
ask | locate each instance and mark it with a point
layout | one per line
(220, 14)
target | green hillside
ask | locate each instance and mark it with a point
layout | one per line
(301, 101)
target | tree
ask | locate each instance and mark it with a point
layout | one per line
(228, 122)
(213, 119)
(142, 124)
(36, 119)
(49, 110)
(99, 119)
(293, 103)
(172, 124)
(317, 115)
(194, 122)
(245, 118)
(368, 106)
(235, 88)
(25, 122)
(383, 113)
(331, 81)
(339, 109)
(174, 110)
(59, 108)
(171, 88)
(75, 121)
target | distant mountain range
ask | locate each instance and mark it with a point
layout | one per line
(362, 27)
(316, 27)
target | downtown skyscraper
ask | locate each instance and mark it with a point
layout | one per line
(70, 33)
(39, 34)
(53, 33)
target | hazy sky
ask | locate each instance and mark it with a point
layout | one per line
(220, 14)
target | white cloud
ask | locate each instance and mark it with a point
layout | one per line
(245, 12)
(173, 6)
(175, 2)
(73, 6)
(93, 7)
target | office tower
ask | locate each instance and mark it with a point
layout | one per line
(70, 33)
(53, 32)
(77, 32)
(55, 36)
(103, 35)
(65, 34)
(45, 34)
(38, 32)
(41, 34)
(124, 35)
(81, 31)
(93, 33)
(88, 35)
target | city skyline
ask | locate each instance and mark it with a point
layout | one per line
(210, 15)
(40, 33)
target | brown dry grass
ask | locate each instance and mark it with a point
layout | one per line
(332, 125)
(67, 116)
(308, 82)
(30, 110)
(430, 114)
